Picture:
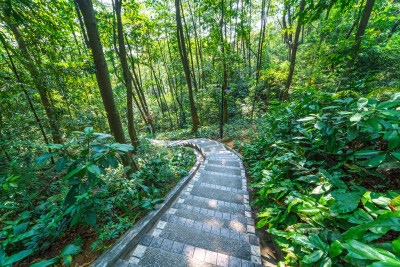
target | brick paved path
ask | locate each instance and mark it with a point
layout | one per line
(210, 224)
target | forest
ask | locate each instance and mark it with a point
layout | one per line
(308, 92)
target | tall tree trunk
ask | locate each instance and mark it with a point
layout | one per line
(126, 74)
(394, 29)
(359, 35)
(38, 121)
(139, 92)
(356, 21)
(78, 13)
(260, 51)
(225, 76)
(293, 53)
(39, 83)
(193, 73)
(185, 63)
(363, 25)
(103, 78)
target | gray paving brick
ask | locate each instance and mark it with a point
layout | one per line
(188, 251)
(222, 259)
(199, 254)
(234, 262)
(166, 245)
(156, 242)
(146, 240)
(177, 247)
(211, 257)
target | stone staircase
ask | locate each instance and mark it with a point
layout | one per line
(210, 224)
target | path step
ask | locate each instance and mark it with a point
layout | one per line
(173, 253)
(217, 194)
(226, 181)
(231, 163)
(224, 170)
(239, 216)
(213, 204)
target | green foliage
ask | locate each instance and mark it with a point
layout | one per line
(324, 180)
(94, 191)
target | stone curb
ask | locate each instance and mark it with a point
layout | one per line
(233, 151)
(132, 237)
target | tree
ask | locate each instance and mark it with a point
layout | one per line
(126, 74)
(185, 63)
(293, 52)
(38, 79)
(103, 76)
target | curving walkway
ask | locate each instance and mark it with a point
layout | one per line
(210, 224)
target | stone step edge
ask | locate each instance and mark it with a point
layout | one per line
(223, 166)
(245, 206)
(213, 213)
(216, 258)
(248, 237)
(221, 173)
(222, 188)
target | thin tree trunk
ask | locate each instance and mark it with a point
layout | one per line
(394, 29)
(355, 23)
(225, 76)
(40, 84)
(185, 63)
(38, 121)
(103, 78)
(139, 92)
(293, 54)
(78, 13)
(190, 53)
(126, 74)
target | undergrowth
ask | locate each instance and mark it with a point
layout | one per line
(325, 170)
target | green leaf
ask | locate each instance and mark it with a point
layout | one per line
(374, 123)
(335, 249)
(396, 246)
(55, 146)
(67, 260)
(94, 169)
(25, 235)
(362, 102)
(45, 157)
(73, 172)
(318, 243)
(45, 263)
(122, 147)
(356, 117)
(381, 225)
(393, 140)
(366, 153)
(313, 257)
(60, 164)
(88, 130)
(90, 218)
(377, 160)
(17, 257)
(70, 250)
(346, 202)
(319, 125)
(306, 119)
(363, 251)
(113, 161)
(20, 228)
(387, 104)
(352, 133)
(396, 154)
